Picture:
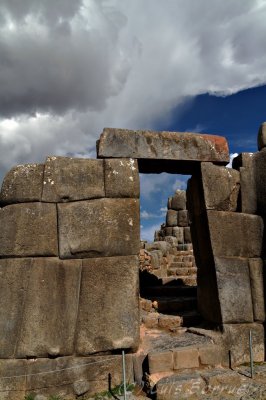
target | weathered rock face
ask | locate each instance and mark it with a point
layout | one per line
(68, 265)
(69, 179)
(98, 228)
(121, 178)
(262, 136)
(235, 234)
(50, 304)
(236, 306)
(236, 336)
(257, 290)
(244, 163)
(50, 308)
(22, 184)
(181, 146)
(28, 230)
(40, 302)
(221, 187)
(118, 326)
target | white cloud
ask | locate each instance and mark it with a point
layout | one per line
(67, 69)
(147, 233)
(232, 156)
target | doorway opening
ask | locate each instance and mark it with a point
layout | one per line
(168, 271)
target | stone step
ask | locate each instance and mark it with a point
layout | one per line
(171, 322)
(152, 292)
(183, 280)
(182, 271)
(175, 304)
(181, 264)
(186, 357)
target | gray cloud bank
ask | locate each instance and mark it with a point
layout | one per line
(69, 68)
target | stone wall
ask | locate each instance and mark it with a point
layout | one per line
(227, 239)
(69, 242)
(69, 245)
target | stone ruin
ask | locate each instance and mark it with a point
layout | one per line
(69, 266)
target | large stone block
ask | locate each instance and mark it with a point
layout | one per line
(121, 178)
(235, 234)
(160, 361)
(257, 290)
(234, 289)
(98, 228)
(179, 200)
(14, 282)
(260, 179)
(68, 179)
(171, 218)
(236, 339)
(178, 232)
(73, 375)
(108, 316)
(22, 183)
(28, 230)
(262, 136)
(13, 379)
(186, 146)
(182, 219)
(220, 186)
(248, 191)
(244, 163)
(50, 308)
(243, 160)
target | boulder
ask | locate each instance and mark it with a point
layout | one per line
(69, 179)
(50, 309)
(109, 284)
(121, 178)
(28, 229)
(235, 234)
(22, 184)
(220, 186)
(98, 228)
(115, 143)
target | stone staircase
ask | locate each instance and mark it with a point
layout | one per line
(169, 295)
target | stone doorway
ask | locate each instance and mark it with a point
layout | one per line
(168, 272)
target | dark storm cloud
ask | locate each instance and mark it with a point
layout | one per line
(70, 67)
(53, 59)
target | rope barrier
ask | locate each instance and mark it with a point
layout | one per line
(57, 370)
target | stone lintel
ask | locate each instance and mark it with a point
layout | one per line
(149, 145)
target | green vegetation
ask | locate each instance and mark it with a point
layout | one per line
(117, 390)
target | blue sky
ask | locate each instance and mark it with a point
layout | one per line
(237, 117)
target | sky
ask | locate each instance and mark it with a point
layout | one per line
(70, 68)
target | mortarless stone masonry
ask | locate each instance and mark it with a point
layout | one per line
(69, 270)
